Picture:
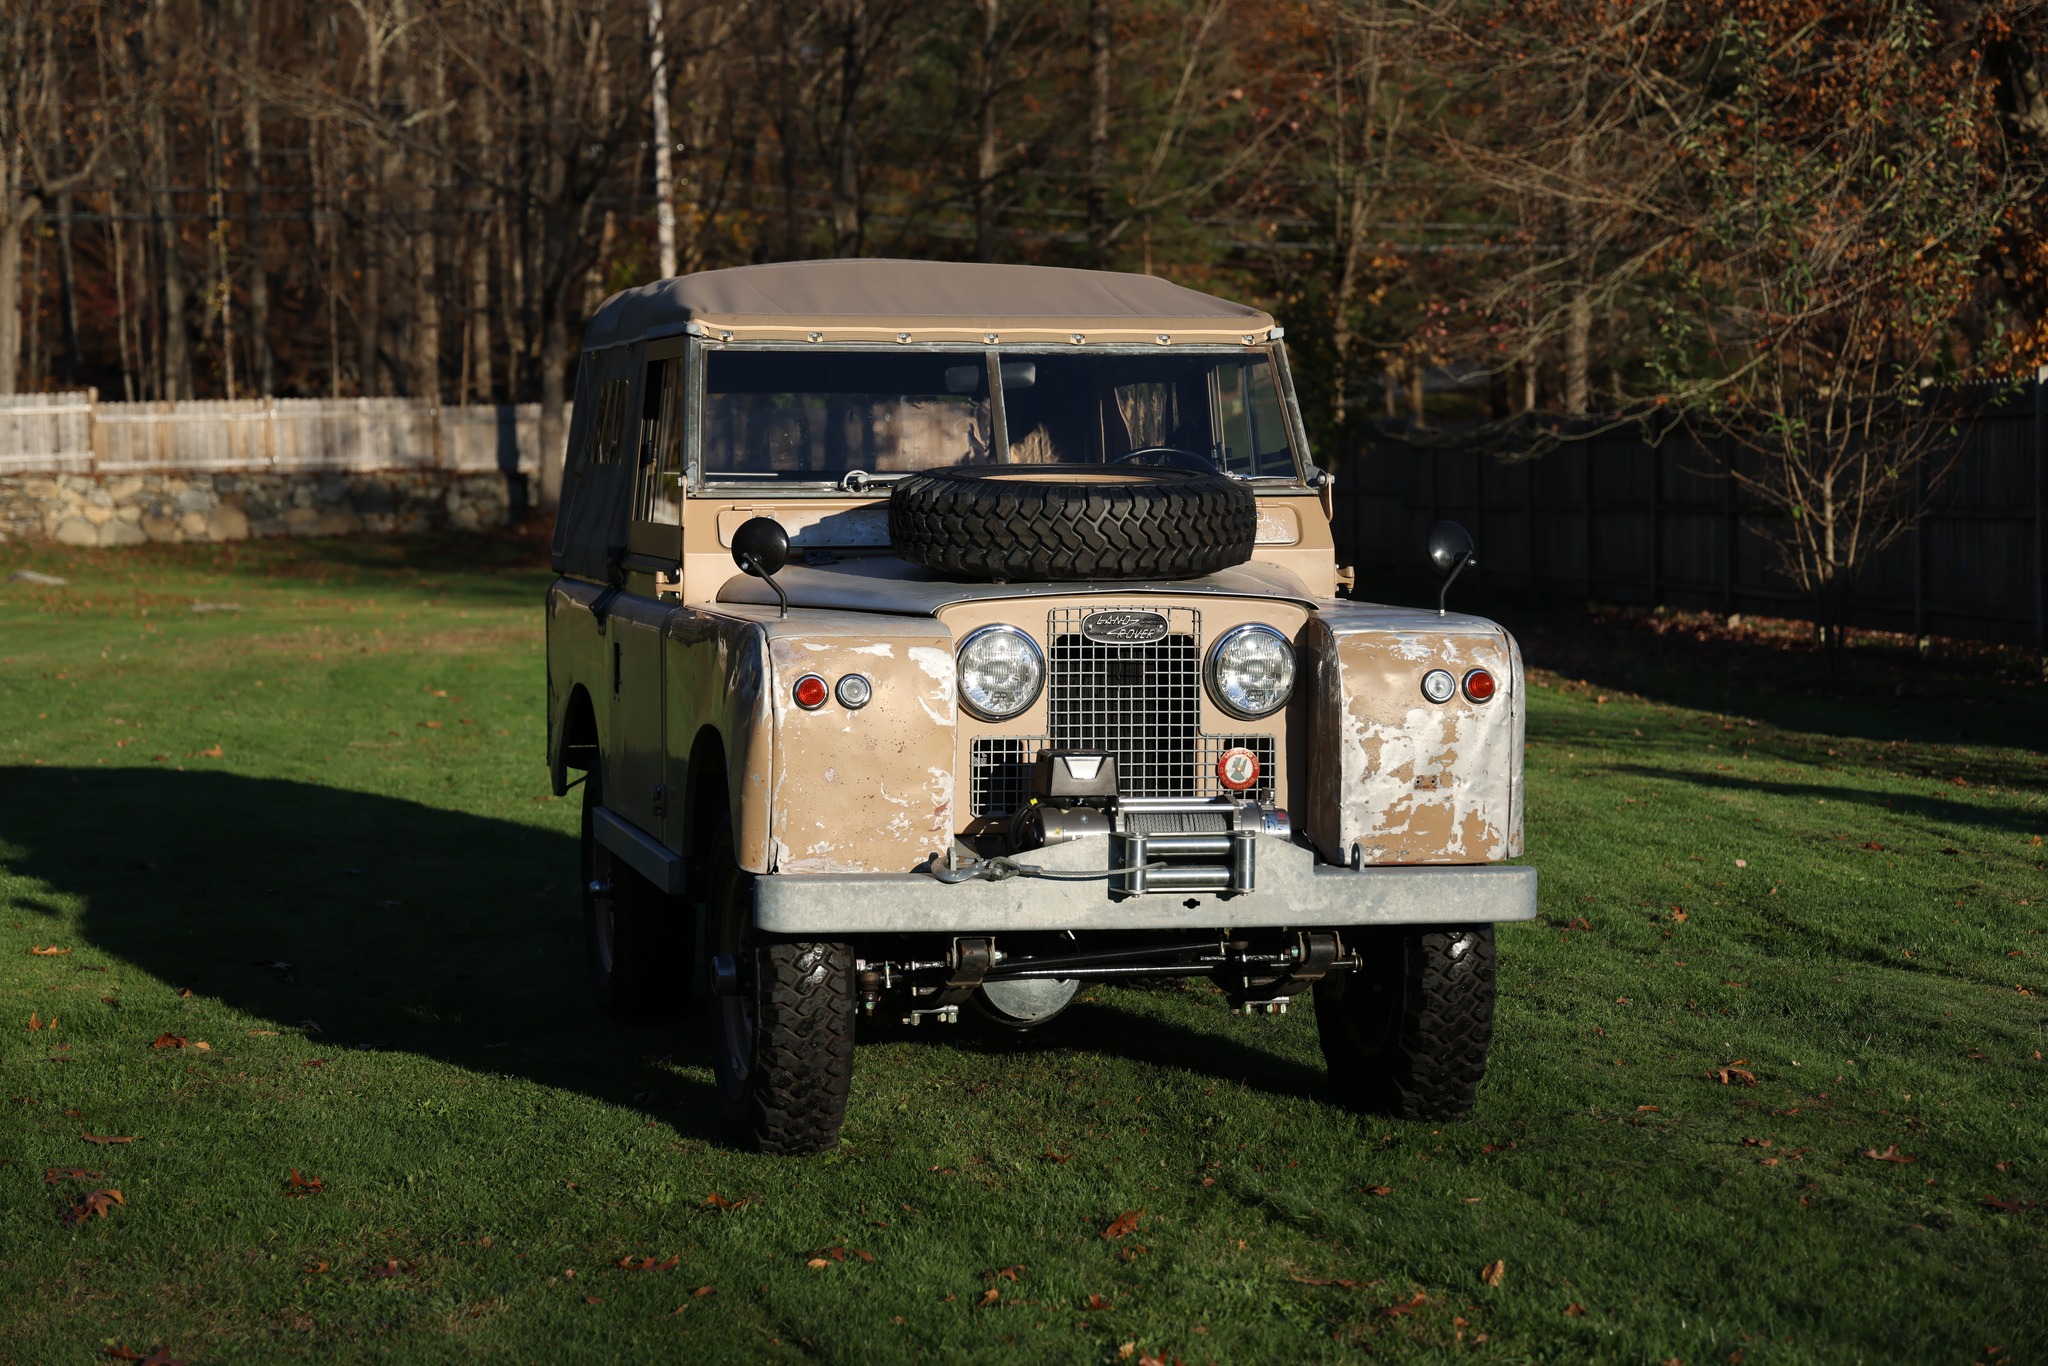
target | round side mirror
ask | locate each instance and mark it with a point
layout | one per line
(1450, 545)
(760, 546)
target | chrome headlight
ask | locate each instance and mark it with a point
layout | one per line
(1001, 672)
(1251, 672)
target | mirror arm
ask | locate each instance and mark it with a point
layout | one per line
(752, 565)
(1449, 579)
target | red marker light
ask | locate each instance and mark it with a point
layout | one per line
(1479, 685)
(810, 692)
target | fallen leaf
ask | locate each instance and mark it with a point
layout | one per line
(1678, 915)
(35, 1021)
(201, 1046)
(262, 1033)
(636, 1263)
(1735, 1072)
(988, 1296)
(102, 1138)
(92, 1202)
(315, 1062)
(169, 1041)
(1742, 863)
(213, 753)
(1873, 844)
(157, 1356)
(1378, 1190)
(1058, 1157)
(2010, 1206)
(304, 1185)
(1891, 1153)
(816, 1262)
(392, 1267)
(592, 1299)
(1494, 1272)
(717, 1201)
(184, 992)
(317, 1269)
(1124, 1223)
(1575, 1310)
(701, 1291)
(1008, 1273)
(1099, 1302)
(1394, 1311)
(1645, 1109)
(51, 952)
(52, 1175)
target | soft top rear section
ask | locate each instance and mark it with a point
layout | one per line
(920, 301)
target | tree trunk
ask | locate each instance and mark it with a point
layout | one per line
(263, 359)
(484, 229)
(177, 349)
(67, 278)
(1098, 130)
(1578, 339)
(664, 152)
(985, 151)
(554, 427)
(10, 288)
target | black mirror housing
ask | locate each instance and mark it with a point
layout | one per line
(760, 547)
(1450, 546)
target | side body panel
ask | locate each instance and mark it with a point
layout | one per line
(715, 699)
(633, 759)
(577, 657)
(1398, 778)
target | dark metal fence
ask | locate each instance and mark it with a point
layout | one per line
(1615, 518)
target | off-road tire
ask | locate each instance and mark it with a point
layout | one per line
(1406, 1035)
(782, 1050)
(637, 939)
(1058, 523)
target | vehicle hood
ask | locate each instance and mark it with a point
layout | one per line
(887, 584)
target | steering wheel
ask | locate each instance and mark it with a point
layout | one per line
(1167, 457)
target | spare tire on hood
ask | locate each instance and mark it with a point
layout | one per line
(1055, 523)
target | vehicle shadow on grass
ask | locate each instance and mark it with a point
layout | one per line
(392, 925)
(398, 926)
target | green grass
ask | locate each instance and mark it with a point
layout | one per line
(346, 776)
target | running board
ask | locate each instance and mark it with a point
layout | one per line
(644, 854)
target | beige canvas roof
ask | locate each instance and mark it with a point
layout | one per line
(924, 301)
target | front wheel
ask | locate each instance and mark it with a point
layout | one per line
(781, 1026)
(1406, 1035)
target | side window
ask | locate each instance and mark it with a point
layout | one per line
(609, 428)
(658, 483)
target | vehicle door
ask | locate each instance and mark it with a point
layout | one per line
(639, 615)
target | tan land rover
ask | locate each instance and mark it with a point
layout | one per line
(935, 635)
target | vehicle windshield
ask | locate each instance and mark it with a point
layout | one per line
(808, 417)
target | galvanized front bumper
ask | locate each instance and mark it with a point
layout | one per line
(1293, 889)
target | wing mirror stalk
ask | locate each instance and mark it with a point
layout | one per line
(761, 548)
(1450, 550)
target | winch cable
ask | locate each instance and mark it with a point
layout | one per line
(1001, 869)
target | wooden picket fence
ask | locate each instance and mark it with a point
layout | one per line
(76, 433)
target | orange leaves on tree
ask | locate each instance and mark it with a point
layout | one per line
(93, 1202)
(1124, 1224)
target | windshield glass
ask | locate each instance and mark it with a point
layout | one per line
(813, 417)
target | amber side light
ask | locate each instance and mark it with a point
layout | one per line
(810, 692)
(1479, 685)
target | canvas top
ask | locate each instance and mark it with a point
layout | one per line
(924, 301)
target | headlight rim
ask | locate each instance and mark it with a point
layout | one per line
(960, 671)
(1216, 693)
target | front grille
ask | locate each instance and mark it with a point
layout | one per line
(1141, 703)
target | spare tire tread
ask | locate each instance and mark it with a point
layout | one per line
(975, 523)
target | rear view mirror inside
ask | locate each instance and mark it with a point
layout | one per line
(968, 379)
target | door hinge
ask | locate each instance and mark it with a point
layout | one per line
(660, 799)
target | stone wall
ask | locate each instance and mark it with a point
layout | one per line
(129, 509)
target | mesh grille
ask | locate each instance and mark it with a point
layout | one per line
(1141, 703)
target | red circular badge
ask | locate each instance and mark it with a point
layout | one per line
(1238, 769)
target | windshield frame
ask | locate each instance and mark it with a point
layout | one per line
(699, 485)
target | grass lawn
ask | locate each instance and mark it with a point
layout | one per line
(311, 837)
